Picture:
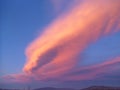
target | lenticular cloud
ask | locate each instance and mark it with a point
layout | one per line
(54, 53)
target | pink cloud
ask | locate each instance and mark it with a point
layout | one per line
(68, 36)
(95, 71)
(20, 78)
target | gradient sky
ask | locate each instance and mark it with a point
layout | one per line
(59, 43)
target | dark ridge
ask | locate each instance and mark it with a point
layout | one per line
(101, 88)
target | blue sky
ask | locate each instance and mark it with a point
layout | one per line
(21, 22)
(105, 48)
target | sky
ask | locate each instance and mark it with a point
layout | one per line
(59, 43)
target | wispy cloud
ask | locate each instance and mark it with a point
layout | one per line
(63, 5)
(97, 71)
(20, 78)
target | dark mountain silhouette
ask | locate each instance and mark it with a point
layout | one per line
(101, 88)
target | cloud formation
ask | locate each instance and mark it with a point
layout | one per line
(54, 53)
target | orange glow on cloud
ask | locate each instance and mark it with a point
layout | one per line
(54, 53)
